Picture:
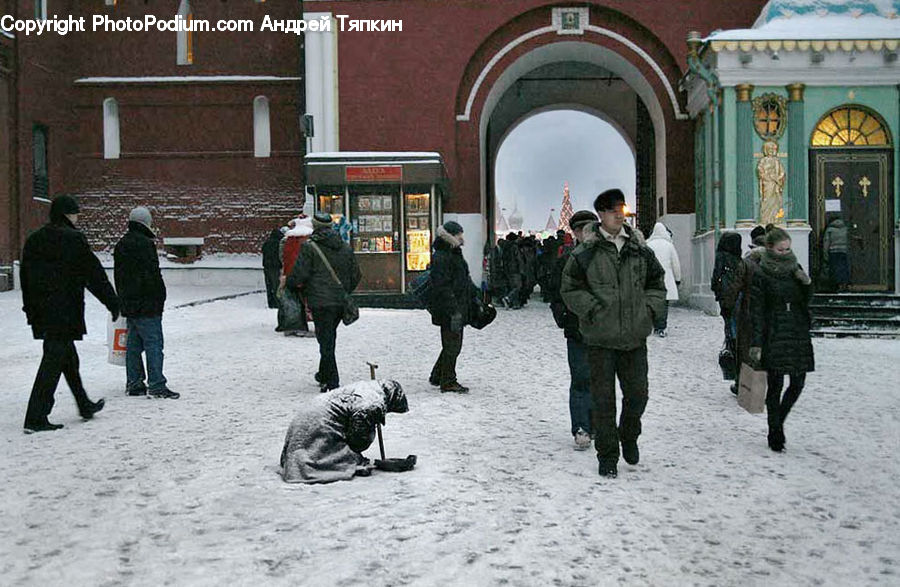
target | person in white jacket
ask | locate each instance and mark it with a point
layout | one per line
(661, 243)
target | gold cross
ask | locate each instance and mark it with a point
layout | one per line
(837, 183)
(864, 183)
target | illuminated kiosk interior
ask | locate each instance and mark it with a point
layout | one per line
(391, 202)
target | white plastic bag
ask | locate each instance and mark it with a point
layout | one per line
(116, 339)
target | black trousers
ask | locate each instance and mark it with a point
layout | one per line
(444, 370)
(631, 369)
(778, 406)
(60, 358)
(326, 320)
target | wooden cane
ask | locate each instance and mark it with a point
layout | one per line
(372, 367)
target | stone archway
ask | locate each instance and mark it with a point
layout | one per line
(645, 70)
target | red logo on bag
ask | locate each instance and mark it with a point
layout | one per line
(120, 337)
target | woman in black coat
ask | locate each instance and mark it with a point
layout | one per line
(450, 302)
(779, 305)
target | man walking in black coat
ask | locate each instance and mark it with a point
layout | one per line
(143, 295)
(450, 302)
(325, 251)
(57, 264)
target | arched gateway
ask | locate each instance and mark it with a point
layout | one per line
(461, 74)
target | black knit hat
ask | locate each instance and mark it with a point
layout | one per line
(62, 205)
(608, 200)
(453, 227)
(757, 231)
(581, 218)
(322, 220)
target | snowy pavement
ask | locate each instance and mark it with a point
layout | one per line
(186, 492)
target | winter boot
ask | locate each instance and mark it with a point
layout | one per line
(608, 470)
(630, 451)
(582, 439)
(136, 390)
(454, 387)
(45, 426)
(776, 439)
(164, 393)
(88, 410)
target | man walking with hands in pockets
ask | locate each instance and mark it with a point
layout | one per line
(615, 285)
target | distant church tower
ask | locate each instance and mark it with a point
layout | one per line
(565, 213)
(515, 219)
(551, 223)
(500, 225)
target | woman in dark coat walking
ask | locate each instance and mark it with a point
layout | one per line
(781, 322)
(451, 301)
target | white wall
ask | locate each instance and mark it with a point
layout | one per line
(322, 85)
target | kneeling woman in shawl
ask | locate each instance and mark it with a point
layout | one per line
(325, 440)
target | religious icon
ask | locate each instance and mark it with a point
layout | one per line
(771, 174)
(864, 183)
(570, 21)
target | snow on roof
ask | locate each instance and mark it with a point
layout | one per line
(821, 20)
(787, 9)
(153, 79)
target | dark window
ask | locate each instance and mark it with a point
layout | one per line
(41, 183)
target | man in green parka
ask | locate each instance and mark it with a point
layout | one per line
(615, 285)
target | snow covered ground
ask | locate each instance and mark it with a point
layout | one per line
(186, 492)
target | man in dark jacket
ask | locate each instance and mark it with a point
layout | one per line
(451, 300)
(616, 286)
(577, 352)
(514, 267)
(326, 296)
(143, 295)
(271, 259)
(57, 264)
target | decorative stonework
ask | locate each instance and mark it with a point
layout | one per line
(770, 116)
(570, 20)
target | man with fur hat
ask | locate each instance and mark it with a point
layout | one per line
(323, 253)
(143, 295)
(57, 264)
(581, 224)
(616, 287)
(450, 301)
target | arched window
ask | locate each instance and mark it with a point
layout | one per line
(851, 126)
(262, 139)
(110, 129)
(185, 36)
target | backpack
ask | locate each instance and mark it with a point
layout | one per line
(420, 289)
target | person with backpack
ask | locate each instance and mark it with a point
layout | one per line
(728, 261)
(450, 302)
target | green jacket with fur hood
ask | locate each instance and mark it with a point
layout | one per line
(615, 294)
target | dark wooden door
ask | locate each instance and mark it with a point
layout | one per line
(856, 185)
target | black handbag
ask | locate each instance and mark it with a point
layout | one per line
(351, 311)
(481, 314)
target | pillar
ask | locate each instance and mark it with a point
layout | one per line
(746, 212)
(797, 213)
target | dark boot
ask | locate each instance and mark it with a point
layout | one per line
(609, 470)
(88, 409)
(45, 426)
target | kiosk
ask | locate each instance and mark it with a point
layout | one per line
(386, 206)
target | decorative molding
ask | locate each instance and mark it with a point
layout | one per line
(570, 20)
(744, 92)
(473, 92)
(795, 92)
(845, 45)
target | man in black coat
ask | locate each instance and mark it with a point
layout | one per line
(326, 296)
(143, 295)
(57, 264)
(451, 300)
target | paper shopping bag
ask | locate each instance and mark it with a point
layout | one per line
(752, 392)
(116, 338)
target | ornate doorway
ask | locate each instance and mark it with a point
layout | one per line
(851, 170)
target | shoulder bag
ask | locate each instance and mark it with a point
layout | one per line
(351, 312)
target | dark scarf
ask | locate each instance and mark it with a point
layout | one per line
(778, 265)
